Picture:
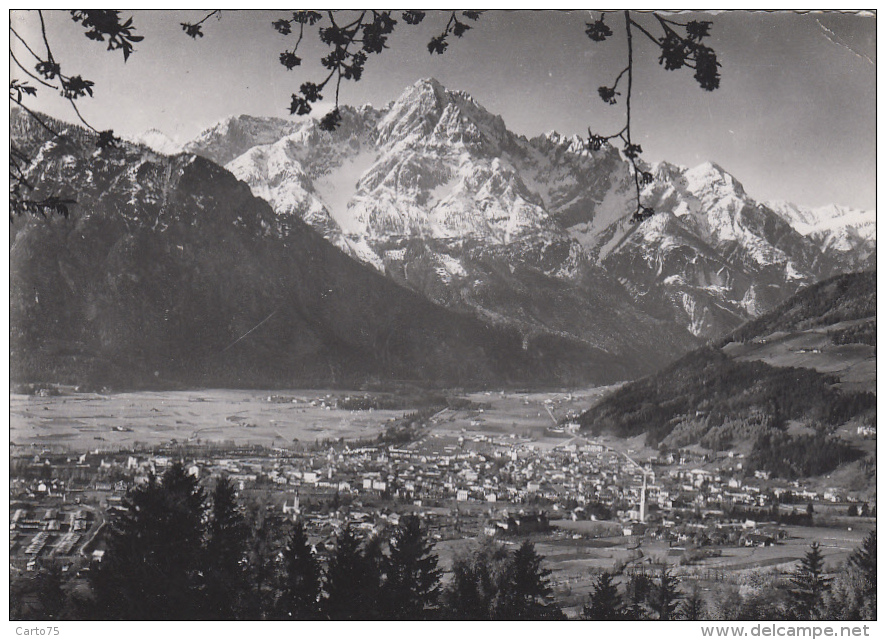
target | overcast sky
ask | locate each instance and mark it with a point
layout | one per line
(794, 118)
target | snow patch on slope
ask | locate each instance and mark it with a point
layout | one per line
(337, 187)
(158, 141)
(609, 220)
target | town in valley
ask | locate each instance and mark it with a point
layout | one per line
(504, 465)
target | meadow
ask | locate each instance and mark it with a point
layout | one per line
(83, 421)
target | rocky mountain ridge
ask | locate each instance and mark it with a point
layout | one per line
(438, 194)
(170, 273)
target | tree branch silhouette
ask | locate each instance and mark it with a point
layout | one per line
(352, 35)
(350, 46)
(101, 25)
(677, 50)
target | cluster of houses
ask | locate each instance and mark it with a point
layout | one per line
(464, 484)
(53, 532)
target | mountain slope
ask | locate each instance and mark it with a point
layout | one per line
(844, 298)
(846, 235)
(437, 193)
(433, 192)
(791, 366)
(170, 272)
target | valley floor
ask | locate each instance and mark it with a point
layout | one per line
(472, 469)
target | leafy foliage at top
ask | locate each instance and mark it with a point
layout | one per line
(106, 23)
(680, 45)
(350, 43)
(352, 36)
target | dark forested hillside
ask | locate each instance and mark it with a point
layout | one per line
(709, 386)
(851, 296)
(170, 273)
(720, 397)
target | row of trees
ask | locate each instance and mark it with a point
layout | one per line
(808, 594)
(865, 333)
(176, 553)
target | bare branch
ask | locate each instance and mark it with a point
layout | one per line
(45, 39)
(38, 79)
(27, 46)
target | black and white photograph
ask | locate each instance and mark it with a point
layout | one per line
(443, 315)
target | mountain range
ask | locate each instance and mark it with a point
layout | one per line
(436, 192)
(170, 273)
(422, 240)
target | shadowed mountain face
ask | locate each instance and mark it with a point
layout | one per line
(437, 193)
(169, 272)
(167, 262)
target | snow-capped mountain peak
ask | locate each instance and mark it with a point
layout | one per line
(158, 141)
(849, 233)
(435, 191)
(709, 177)
(234, 135)
(429, 113)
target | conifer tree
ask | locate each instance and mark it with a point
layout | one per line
(808, 585)
(525, 591)
(371, 582)
(473, 592)
(864, 559)
(863, 562)
(665, 595)
(150, 569)
(692, 607)
(638, 593)
(264, 546)
(344, 578)
(51, 597)
(605, 602)
(463, 598)
(412, 580)
(300, 588)
(225, 579)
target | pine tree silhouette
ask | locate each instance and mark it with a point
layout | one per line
(864, 561)
(665, 595)
(808, 585)
(526, 591)
(150, 568)
(344, 578)
(692, 607)
(225, 580)
(300, 584)
(605, 602)
(412, 582)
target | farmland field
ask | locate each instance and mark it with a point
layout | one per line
(85, 421)
(854, 364)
